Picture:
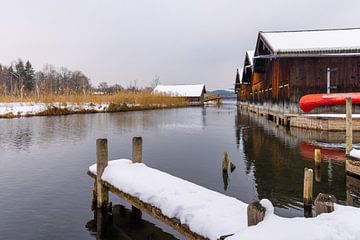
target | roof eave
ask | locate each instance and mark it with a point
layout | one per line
(280, 55)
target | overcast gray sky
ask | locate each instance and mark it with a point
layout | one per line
(183, 41)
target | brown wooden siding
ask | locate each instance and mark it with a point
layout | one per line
(288, 79)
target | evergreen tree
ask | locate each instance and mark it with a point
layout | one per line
(29, 77)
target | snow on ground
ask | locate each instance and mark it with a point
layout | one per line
(30, 108)
(330, 115)
(342, 224)
(355, 153)
(22, 109)
(212, 214)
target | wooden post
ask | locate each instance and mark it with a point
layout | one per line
(324, 203)
(137, 150)
(102, 193)
(255, 213)
(308, 186)
(225, 162)
(317, 158)
(348, 126)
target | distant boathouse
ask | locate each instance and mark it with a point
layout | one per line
(192, 92)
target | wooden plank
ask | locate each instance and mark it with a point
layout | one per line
(152, 211)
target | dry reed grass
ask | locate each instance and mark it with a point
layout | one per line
(141, 99)
(120, 102)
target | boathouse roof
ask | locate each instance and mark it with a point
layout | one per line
(191, 90)
(329, 42)
(250, 56)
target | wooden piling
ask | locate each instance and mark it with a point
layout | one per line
(225, 162)
(317, 158)
(308, 186)
(255, 213)
(137, 150)
(102, 193)
(348, 126)
(324, 203)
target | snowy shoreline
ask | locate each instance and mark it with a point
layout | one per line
(29, 109)
(212, 214)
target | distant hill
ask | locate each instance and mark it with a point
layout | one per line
(223, 93)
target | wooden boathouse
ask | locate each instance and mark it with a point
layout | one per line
(194, 93)
(287, 65)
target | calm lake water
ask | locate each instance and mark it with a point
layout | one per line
(46, 194)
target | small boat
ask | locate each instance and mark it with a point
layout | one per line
(307, 151)
(311, 101)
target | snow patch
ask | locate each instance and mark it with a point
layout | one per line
(330, 115)
(31, 108)
(355, 153)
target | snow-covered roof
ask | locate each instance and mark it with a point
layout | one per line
(241, 73)
(329, 41)
(250, 56)
(193, 90)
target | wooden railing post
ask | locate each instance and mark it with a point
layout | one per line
(137, 150)
(308, 186)
(324, 203)
(102, 193)
(348, 126)
(255, 213)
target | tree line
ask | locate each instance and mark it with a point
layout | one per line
(20, 80)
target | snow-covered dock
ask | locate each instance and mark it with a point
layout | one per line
(200, 213)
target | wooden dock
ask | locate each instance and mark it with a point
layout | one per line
(253, 213)
(102, 189)
(324, 123)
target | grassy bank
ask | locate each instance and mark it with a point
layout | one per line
(11, 107)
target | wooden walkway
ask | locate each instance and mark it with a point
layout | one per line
(254, 212)
(304, 121)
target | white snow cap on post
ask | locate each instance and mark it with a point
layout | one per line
(191, 90)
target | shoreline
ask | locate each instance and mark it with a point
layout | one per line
(26, 109)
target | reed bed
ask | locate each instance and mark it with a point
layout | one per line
(119, 102)
(129, 98)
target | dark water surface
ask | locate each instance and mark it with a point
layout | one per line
(46, 194)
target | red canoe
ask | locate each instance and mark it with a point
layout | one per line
(311, 101)
(307, 151)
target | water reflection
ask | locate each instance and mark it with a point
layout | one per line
(123, 223)
(21, 134)
(276, 156)
(46, 159)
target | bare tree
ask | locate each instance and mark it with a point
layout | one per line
(155, 81)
